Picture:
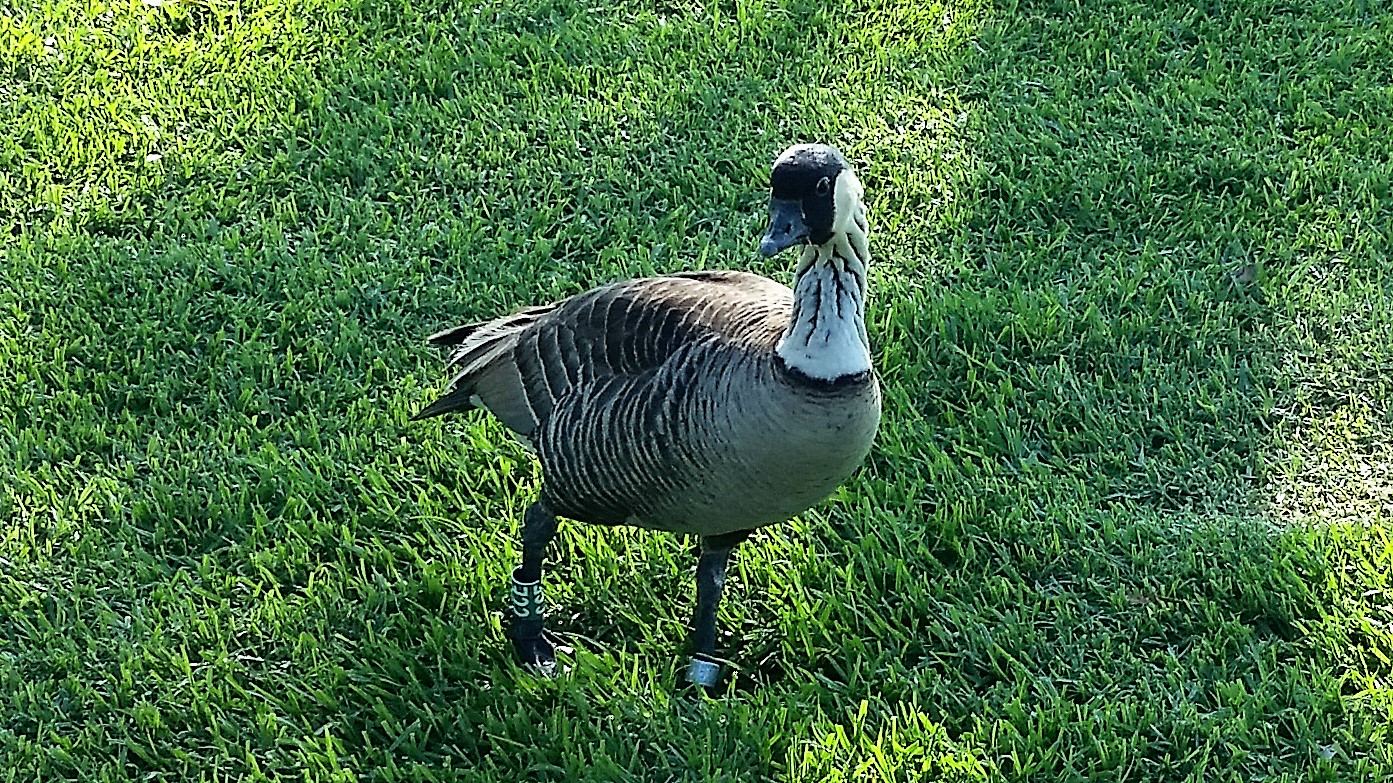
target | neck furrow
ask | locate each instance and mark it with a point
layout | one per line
(826, 335)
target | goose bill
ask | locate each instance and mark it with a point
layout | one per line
(786, 227)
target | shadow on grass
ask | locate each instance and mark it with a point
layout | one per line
(230, 543)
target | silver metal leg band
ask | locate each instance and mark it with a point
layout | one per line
(703, 672)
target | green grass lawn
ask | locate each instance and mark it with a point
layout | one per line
(1128, 517)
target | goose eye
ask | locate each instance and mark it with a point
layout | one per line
(824, 186)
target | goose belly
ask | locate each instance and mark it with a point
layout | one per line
(757, 470)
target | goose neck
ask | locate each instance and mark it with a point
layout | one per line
(826, 337)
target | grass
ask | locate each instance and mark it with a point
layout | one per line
(1128, 517)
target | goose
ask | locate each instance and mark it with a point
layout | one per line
(707, 403)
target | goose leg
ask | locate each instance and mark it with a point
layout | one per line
(711, 578)
(525, 593)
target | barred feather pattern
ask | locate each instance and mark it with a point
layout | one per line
(662, 402)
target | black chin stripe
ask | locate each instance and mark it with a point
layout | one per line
(839, 383)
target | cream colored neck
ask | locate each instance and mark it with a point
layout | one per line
(826, 336)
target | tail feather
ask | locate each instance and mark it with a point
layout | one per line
(455, 334)
(458, 335)
(478, 348)
(482, 347)
(457, 401)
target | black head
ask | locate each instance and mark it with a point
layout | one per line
(803, 197)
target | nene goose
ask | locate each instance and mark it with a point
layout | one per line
(708, 403)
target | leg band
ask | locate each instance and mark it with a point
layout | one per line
(703, 672)
(525, 599)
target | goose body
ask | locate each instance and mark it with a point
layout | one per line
(661, 403)
(707, 403)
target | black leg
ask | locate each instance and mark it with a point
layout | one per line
(525, 593)
(711, 580)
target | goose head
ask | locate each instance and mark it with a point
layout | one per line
(813, 196)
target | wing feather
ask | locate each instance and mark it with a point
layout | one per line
(607, 341)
